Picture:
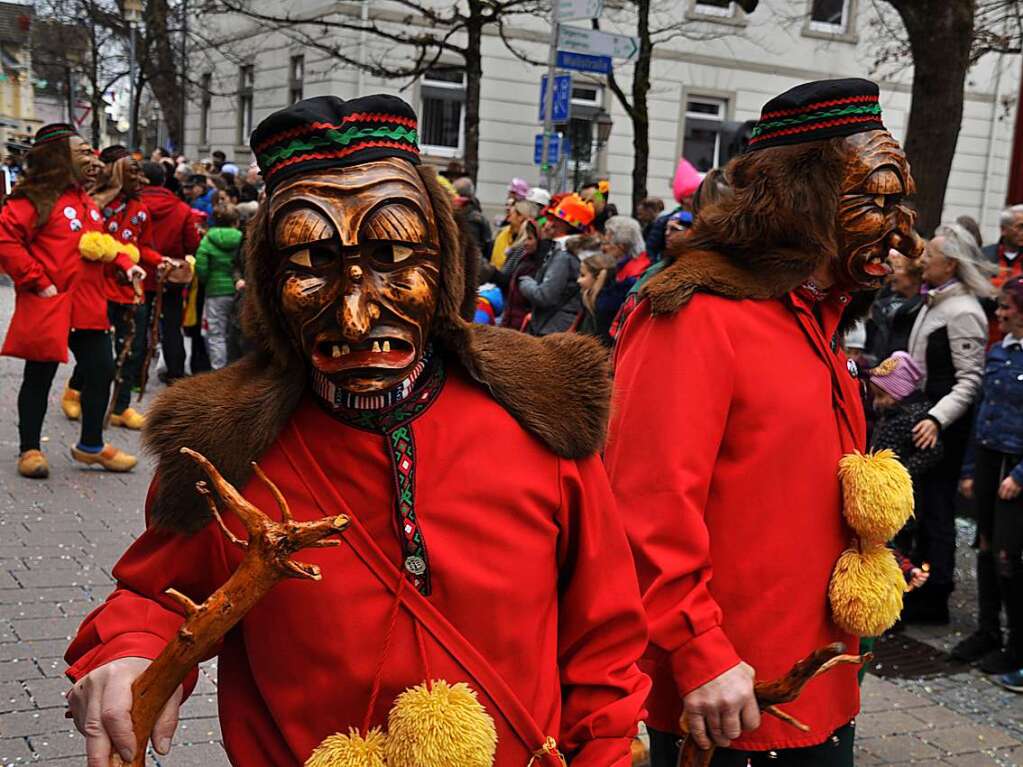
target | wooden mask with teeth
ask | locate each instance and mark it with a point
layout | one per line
(872, 218)
(359, 270)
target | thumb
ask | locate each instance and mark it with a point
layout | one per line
(167, 723)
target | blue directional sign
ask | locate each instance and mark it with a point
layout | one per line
(562, 98)
(584, 62)
(553, 149)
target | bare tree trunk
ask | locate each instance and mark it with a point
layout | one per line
(96, 97)
(939, 35)
(473, 76)
(640, 115)
(160, 67)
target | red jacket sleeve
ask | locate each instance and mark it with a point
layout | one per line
(190, 234)
(138, 618)
(673, 385)
(602, 628)
(148, 255)
(17, 225)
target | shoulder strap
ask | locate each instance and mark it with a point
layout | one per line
(512, 709)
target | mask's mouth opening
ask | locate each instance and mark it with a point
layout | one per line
(387, 352)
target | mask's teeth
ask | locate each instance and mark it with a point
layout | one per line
(376, 346)
(345, 349)
(387, 346)
(335, 352)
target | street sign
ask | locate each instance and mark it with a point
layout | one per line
(553, 149)
(562, 104)
(582, 62)
(570, 10)
(596, 43)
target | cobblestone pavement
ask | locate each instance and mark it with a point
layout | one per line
(60, 538)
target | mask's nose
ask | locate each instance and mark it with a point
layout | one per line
(358, 310)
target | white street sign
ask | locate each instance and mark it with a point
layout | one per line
(570, 10)
(597, 43)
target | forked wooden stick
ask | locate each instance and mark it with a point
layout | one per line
(785, 689)
(267, 560)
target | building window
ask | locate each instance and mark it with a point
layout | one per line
(829, 16)
(703, 143)
(296, 78)
(580, 134)
(713, 8)
(246, 83)
(205, 110)
(442, 123)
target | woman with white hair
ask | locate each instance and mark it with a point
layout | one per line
(623, 239)
(947, 342)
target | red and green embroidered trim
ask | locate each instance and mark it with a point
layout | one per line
(350, 139)
(816, 126)
(818, 119)
(339, 154)
(366, 117)
(819, 105)
(57, 132)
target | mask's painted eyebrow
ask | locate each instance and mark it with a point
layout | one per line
(394, 221)
(302, 226)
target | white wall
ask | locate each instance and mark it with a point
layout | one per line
(748, 61)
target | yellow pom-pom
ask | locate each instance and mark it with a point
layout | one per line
(866, 591)
(95, 246)
(130, 250)
(439, 726)
(878, 494)
(351, 750)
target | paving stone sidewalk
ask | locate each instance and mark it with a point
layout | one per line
(60, 538)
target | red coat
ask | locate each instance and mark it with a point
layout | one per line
(37, 257)
(174, 232)
(129, 221)
(730, 418)
(528, 559)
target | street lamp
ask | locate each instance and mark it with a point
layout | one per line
(131, 11)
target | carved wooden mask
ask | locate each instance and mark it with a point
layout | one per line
(872, 218)
(359, 272)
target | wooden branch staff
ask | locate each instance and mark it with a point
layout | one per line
(153, 333)
(267, 560)
(782, 690)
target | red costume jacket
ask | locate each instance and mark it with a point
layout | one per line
(730, 417)
(527, 557)
(174, 232)
(36, 257)
(128, 221)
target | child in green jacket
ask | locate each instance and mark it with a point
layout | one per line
(215, 269)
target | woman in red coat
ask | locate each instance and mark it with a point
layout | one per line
(50, 246)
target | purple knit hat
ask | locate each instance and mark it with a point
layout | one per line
(518, 188)
(898, 375)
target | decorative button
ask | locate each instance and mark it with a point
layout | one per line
(415, 565)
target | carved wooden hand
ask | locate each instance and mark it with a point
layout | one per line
(782, 690)
(267, 560)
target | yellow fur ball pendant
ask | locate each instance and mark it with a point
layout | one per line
(866, 591)
(440, 725)
(351, 750)
(877, 493)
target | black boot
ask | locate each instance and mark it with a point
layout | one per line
(927, 605)
(988, 637)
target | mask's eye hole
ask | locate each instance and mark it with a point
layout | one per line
(301, 258)
(313, 257)
(387, 254)
(400, 252)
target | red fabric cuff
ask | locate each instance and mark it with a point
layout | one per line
(150, 257)
(123, 262)
(703, 658)
(134, 645)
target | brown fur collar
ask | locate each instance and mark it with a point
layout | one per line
(556, 387)
(766, 235)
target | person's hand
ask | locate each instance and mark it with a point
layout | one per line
(917, 578)
(925, 434)
(1009, 489)
(48, 292)
(165, 265)
(722, 709)
(135, 274)
(100, 704)
(966, 488)
(239, 284)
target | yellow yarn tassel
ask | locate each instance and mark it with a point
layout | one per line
(440, 725)
(130, 250)
(351, 750)
(95, 246)
(877, 492)
(866, 591)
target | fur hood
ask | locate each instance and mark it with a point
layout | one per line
(556, 387)
(765, 236)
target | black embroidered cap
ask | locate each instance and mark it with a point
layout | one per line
(53, 132)
(818, 110)
(329, 132)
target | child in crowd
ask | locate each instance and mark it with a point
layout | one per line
(215, 269)
(599, 298)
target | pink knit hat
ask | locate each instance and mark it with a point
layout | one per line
(898, 375)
